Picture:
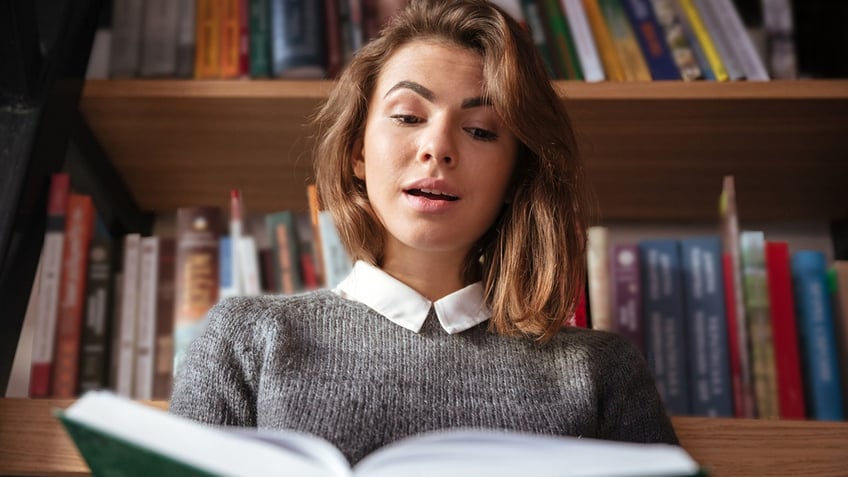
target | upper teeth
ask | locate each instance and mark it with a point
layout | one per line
(433, 191)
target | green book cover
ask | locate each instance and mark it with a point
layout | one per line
(562, 40)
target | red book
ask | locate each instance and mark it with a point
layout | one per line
(79, 227)
(739, 404)
(790, 387)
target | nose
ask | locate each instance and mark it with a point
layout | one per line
(438, 144)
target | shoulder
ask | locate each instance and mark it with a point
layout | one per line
(600, 348)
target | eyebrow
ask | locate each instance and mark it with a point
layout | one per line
(427, 94)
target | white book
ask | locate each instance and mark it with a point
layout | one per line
(598, 269)
(249, 266)
(18, 386)
(156, 441)
(145, 338)
(739, 39)
(129, 315)
(590, 60)
(723, 43)
(337, 263)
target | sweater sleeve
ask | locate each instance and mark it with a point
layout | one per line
(216, 383)
(631, 408)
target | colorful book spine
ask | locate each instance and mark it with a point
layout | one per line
(677, 40)
(694, 42)
(163, 353)
(590, 60)
(603, 39)
(726, 50)
(260, 39)
(740, 398)
(649, 34)
(817, 336)
(693, 20)
(839, 292)
(758, 314)
(662, 301)
(627, 293)
(536, 25)
(47, 307)
(624, 40)
(560, 36)
(230, 39)
(297, 39)
(598, 268)
(197, 281)
(787, 358)
(284, 243)
(97, 331)
(710, 383)
(79, 228)
(207, 59)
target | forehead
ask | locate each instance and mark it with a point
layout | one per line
(434, 60)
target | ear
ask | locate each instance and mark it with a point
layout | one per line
(357, 159)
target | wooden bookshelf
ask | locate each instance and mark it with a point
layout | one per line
(654, 151)
(32, 442)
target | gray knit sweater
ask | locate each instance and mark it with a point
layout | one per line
(326, 365)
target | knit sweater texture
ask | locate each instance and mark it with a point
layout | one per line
(332, 367)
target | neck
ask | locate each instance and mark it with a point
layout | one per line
(432, 275)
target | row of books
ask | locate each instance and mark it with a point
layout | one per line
(120, 313)
(591, 40)
(732, 325)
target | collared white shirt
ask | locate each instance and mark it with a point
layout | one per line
(406, 307)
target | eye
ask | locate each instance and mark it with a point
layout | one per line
(482, 134)
(406, 118)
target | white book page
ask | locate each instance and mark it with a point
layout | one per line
(473, 453)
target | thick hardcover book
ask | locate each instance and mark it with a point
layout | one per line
(675, 36)
(260, 39)
(230, 45)
(627, 294)
(665, 320)
(159, 38)
(817, 336)
(163, 351)
(47, 307)
(119, 437)
(703, 287)
(297, 39)
(584, 44)
(649, 34)
(97, 330)
(197, 274)
(284, 243)
(560, 37)
(758, 313)
(787, 358)
(207, 58)
(624, 40)
(603, 39)
(79, 228)
(535, 18)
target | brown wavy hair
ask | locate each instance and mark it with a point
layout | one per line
(531, 260)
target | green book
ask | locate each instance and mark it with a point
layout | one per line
(120, 437)
(562, 41)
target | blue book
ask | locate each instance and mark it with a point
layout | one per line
(663, 311)
(297, 39)
(816, 334)
(651, 39)
(703, 290)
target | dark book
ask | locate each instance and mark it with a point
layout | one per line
(297, 39)
(649, 34)
(97, 335)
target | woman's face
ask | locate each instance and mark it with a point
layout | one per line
(435, 157)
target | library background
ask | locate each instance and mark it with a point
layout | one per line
(155, 159)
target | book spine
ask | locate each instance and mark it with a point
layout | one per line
(559, 36)
(598, 268)
(47, 308)
(207, 59)
(129, 315)
(79, 228)
(695, 22)
(333, 38)
(226, 272)
(624, 40)
(536, 26)
(739, 40)
(306, 248)
(627, 294)
(818, 342)
(603, 38)
(662, 302)
(98, 314)
(721, 41)
(314, 212)
(677, 40)
(125, 52)
(244, 39)
(145, 339)
(840, 314)
(230, 39)
(197, 280)
(337, 263)
(186, 38)
(281, 228)
(590, 61)
(709, 371)
(649, 35)
(260, 39)
(758, 314)
(249, 258)
(297, 39)
(159, 38)
(163, 354)
(790, 387)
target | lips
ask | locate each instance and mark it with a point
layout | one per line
(432, 194)
(432, 189)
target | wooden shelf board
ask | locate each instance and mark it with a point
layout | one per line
(653, 151)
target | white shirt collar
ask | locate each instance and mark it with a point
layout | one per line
(404, 306)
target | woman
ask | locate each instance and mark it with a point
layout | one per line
(449, 165)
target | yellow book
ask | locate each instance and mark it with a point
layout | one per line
(697, 25)
(207, 59)
(603, 40)
(229, 38)
(632, 60)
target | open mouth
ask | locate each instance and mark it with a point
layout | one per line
(431, 194)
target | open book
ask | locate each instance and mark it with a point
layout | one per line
(119, 437)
